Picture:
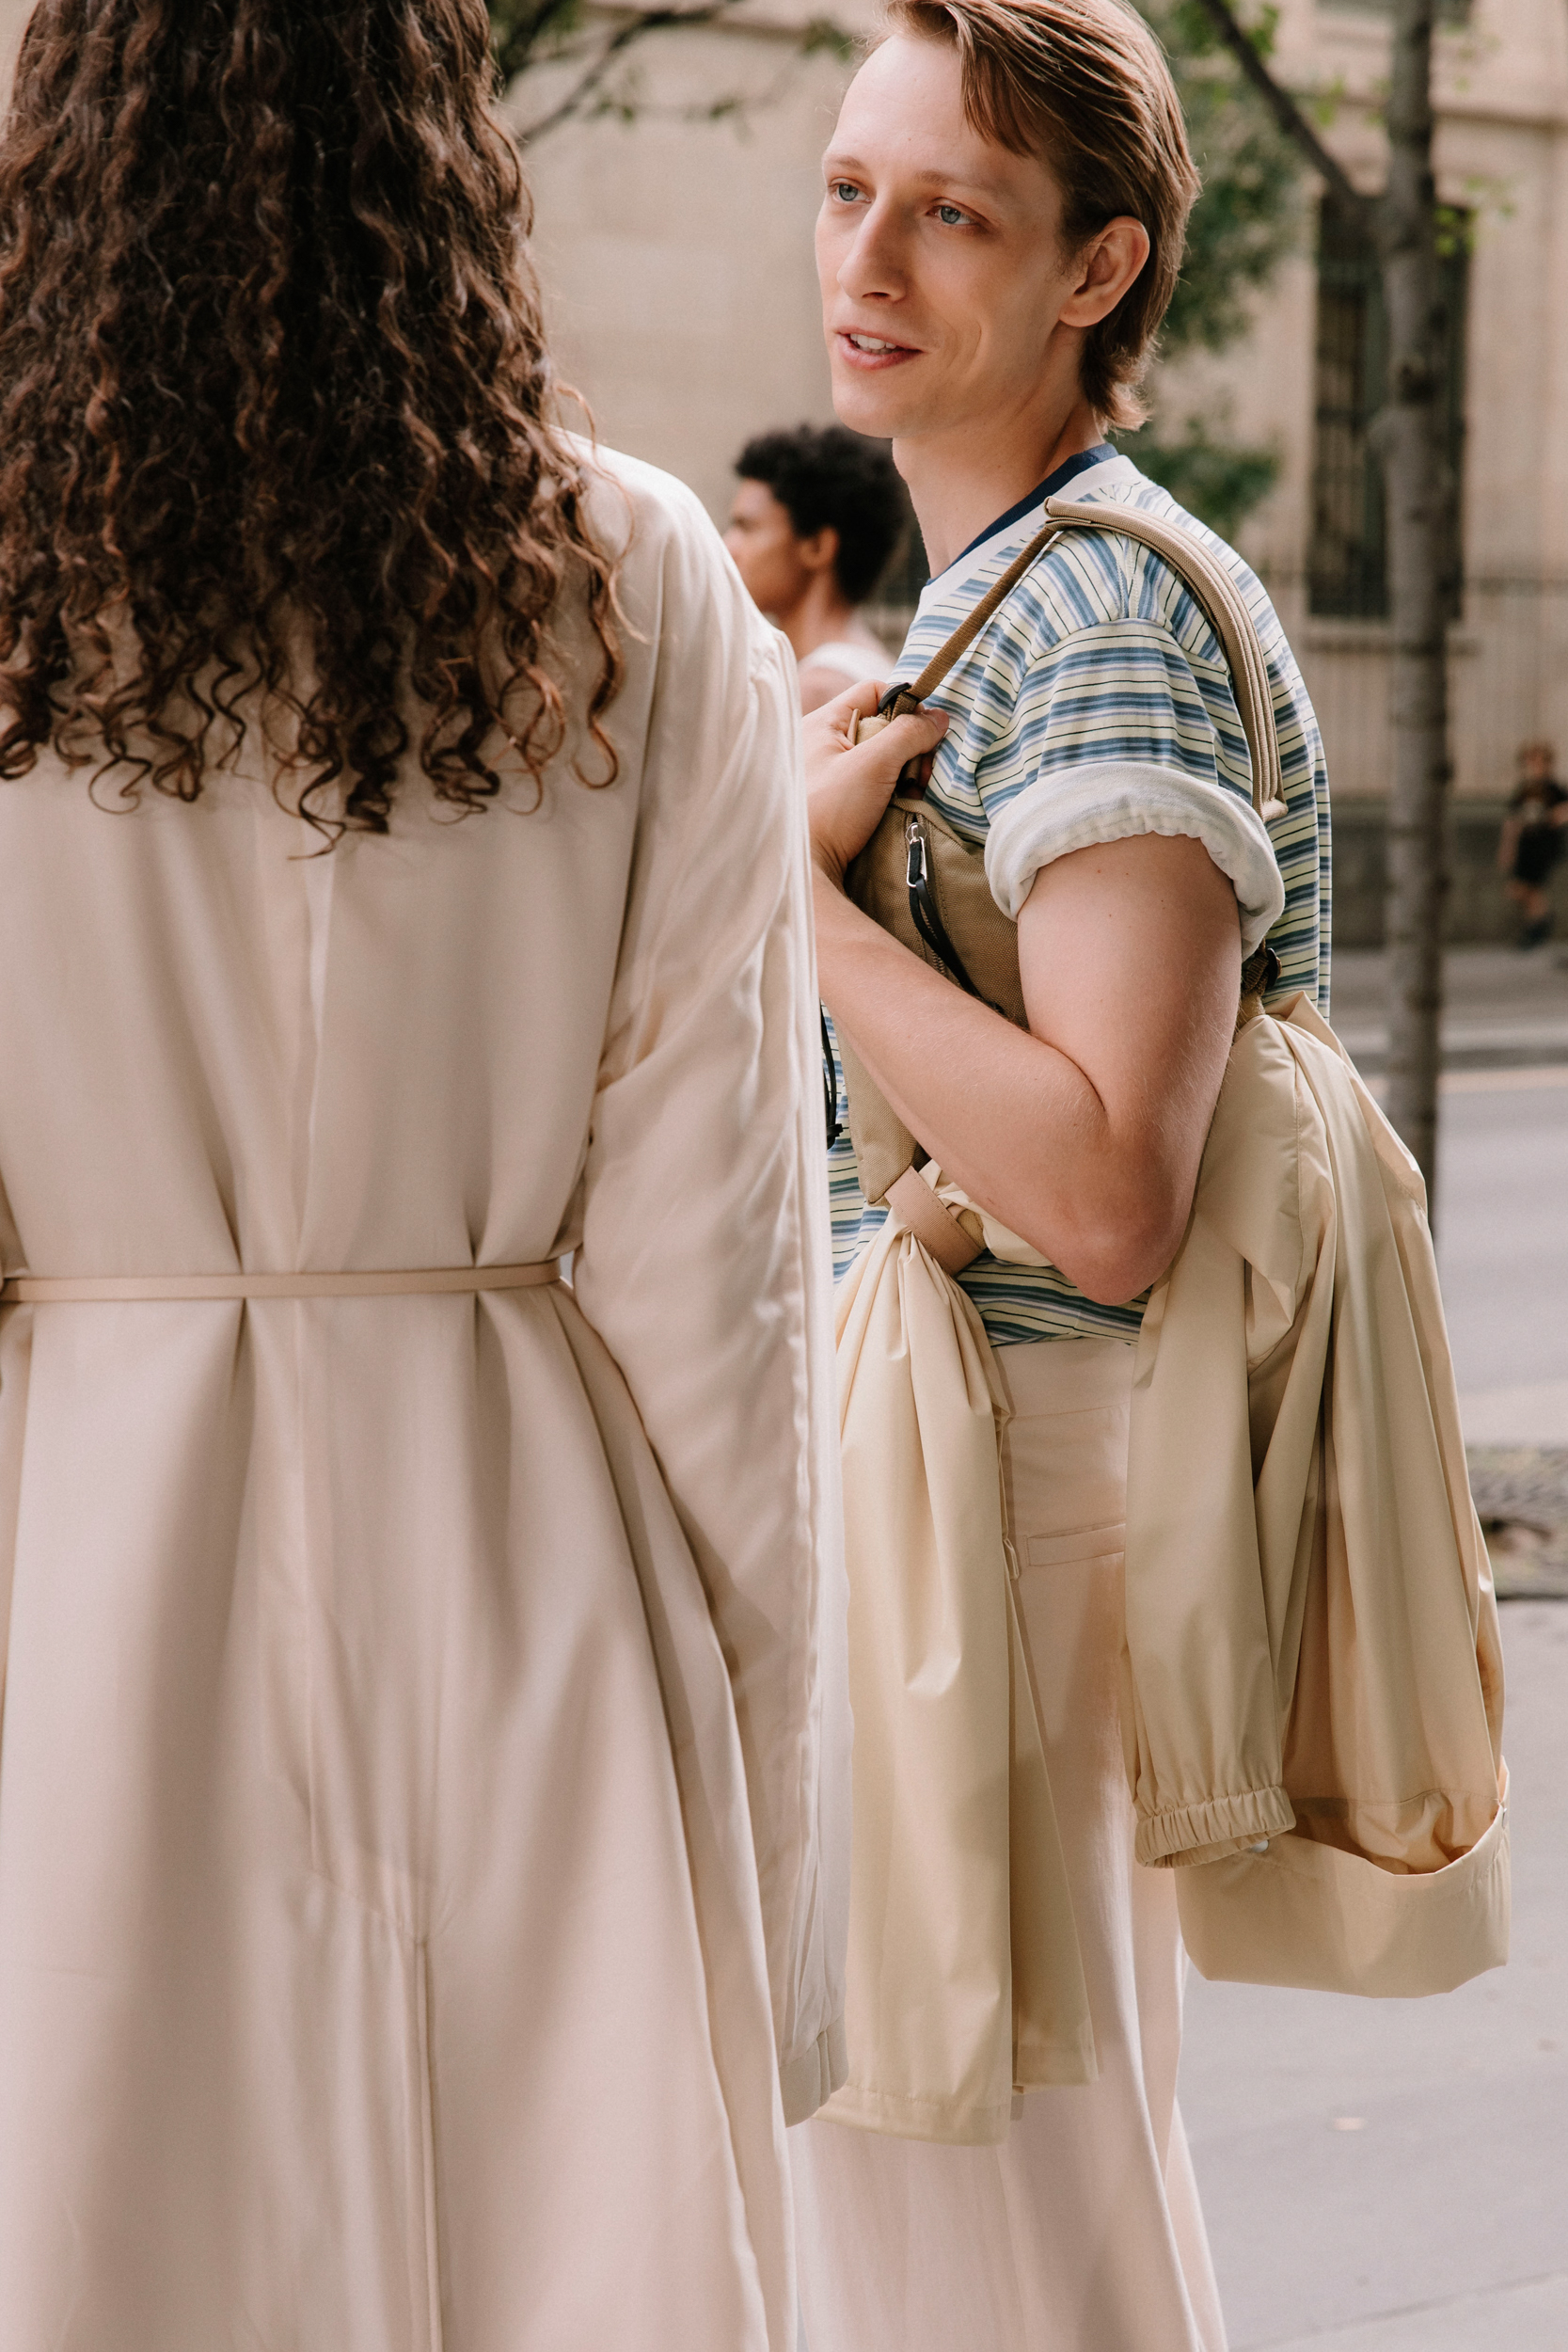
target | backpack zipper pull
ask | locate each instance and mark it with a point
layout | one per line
(914, 842)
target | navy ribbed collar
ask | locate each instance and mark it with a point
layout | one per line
(1068, 469)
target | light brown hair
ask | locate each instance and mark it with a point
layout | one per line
(1083, 86)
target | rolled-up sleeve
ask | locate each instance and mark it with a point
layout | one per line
(1114, 736)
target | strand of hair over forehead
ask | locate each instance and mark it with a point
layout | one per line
(1078, 51)
(275, 408)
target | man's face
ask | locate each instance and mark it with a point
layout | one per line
(761, 538)
(938, 254)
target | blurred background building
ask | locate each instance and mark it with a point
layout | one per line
(674, 220)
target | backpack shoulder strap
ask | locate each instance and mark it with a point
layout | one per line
(1209, 582)
(1232, 624)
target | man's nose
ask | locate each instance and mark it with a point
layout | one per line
(872, 270)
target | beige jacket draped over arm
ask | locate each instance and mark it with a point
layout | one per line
(1312, 1688)
(1313, 1706)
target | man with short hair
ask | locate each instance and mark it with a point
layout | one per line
(815, 521)
(1004, 216)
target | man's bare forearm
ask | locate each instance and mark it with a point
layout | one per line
(1008, 1117)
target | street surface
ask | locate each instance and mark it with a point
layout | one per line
(1502, 1179)
(1393, 2176)
(1500, 1006)
(1502, 1246)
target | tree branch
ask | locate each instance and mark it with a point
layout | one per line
(1283, 106)
(523, 35)
(636, 28)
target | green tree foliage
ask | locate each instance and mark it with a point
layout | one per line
(1247, 219)
(1214, 479)
(519, 28)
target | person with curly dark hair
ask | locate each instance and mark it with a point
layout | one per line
(817, 518)
(423, 1792)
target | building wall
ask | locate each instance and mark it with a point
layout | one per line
(13, 22)
(1502, 153)
(677, 254)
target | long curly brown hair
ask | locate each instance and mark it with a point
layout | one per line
(275, 407)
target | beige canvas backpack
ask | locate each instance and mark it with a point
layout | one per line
(920, 880)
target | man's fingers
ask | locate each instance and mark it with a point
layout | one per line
(848, 785)
(858, 702)
(917, 731)
(892, 748)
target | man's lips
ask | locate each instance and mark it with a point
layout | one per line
(866, 351)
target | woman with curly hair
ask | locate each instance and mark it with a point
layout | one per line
(422, 1809)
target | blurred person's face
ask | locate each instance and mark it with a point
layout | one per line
(777, 567)
(1537, 764)
(947, 298)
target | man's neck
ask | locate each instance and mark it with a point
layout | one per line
(961, 480)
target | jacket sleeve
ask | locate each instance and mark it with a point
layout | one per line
(705, 1263)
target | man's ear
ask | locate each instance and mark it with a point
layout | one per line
(1104, 270)
(820, 551)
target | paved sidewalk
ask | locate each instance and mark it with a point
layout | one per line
(1393, 2176)
(1502, 1009)
(1502, 1250)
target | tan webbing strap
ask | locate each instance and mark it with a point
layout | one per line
(1232, 624)
(52, 1290)
(1209, 582)
(965, 635)
(931, 1222)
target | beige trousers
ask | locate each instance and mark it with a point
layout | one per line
(1081, 2232)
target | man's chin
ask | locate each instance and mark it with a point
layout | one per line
(873, 404)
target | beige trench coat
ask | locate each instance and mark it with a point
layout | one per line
(423, 1799)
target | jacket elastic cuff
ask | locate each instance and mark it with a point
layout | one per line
(809, 2078)
(1207, 1833)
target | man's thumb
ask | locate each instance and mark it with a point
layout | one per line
(917, 731)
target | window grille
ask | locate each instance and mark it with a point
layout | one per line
(1448, 11)
(1347, 567)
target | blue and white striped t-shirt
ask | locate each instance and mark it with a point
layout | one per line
(1095, 704)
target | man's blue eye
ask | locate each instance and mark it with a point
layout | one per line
(950, 216)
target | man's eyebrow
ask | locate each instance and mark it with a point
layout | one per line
(834, 160)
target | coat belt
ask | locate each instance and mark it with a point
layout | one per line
(42, 1290)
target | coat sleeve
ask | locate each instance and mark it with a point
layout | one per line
(706, 1263)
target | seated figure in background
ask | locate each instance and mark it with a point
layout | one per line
(815, 521)
(1532, 841)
